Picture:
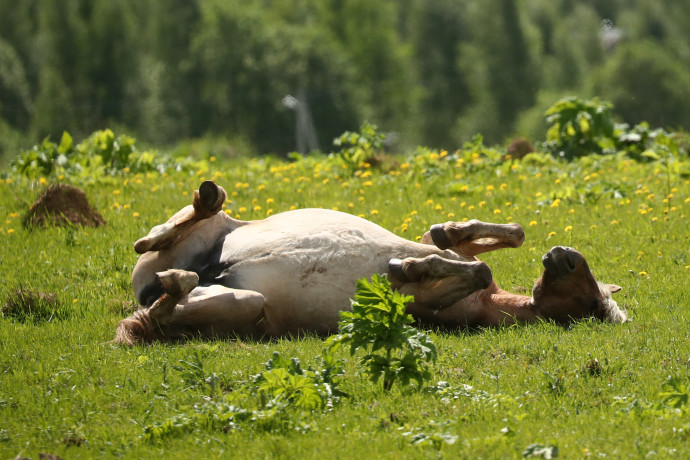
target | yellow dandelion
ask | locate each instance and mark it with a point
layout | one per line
(405, 166)
(552, 234)
(10, 231)
(482, 204)
(451, 215)
(569, 228)
(614, 222)
(42, 181)
(489, 188)
(533, 223)
(497, 211)
(14, 215)
(135, 214)
(532, 249)
(116, 192)
(438, 207)
(643, 274)
(367, 183)
(269, 212)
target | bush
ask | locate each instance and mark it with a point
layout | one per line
(102, 153)
(579, 127)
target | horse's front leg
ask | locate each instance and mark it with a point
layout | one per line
(474, 237)
(438, 282)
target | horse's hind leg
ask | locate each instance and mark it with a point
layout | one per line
(208, 201)
(216, 310)
(474, 237)
(185, 308)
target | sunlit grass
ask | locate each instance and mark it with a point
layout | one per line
(66, 390)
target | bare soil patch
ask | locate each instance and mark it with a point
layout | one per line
(62, 204)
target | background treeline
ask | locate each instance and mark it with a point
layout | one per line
(434, 71)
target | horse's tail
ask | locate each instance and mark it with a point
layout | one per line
(138, 328)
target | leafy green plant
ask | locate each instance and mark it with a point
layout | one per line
(360, 147)
(676, 393)
(102, 153)
(579, 127)
(284, 380)
(268, 400)
(378, 324)
(546, 451)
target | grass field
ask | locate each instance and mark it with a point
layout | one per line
(593, 389)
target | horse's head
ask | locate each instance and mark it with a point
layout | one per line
(567, 290)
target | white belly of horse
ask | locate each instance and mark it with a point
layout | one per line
(306, 265)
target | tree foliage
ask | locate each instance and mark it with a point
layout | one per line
(436, 72)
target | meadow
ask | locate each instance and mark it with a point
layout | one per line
(589, 390)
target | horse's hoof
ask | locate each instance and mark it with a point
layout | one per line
(208, 193)
(178, 283)
(440, 237)
(395, 268)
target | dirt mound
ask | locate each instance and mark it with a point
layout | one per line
(62, 204)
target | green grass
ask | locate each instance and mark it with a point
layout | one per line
(591, 389)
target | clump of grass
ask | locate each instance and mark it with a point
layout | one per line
(29, 306)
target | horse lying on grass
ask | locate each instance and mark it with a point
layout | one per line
(205, 273)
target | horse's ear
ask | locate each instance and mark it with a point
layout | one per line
(613, 288)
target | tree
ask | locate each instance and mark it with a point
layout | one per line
(645, 82)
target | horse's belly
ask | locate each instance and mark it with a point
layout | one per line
(305, 296)
(308, 275)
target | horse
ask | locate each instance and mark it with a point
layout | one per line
(204, 273)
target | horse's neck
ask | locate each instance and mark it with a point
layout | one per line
(507, 308)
